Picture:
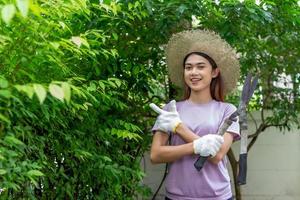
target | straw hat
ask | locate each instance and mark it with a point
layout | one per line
(208, 42)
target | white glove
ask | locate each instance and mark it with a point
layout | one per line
(208, 145)
(167, 121)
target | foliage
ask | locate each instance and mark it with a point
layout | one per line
(65, 129)
(77, 76)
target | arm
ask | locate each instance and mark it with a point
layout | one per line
(185, 133)
(162, 153)
(228, 139)
(188, 136)
(168, 121)
(206, 145)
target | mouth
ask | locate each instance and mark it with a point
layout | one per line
(195, 80)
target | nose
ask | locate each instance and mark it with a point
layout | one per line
(195, 70)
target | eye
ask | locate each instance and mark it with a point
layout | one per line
(201, 66)
(188, 67)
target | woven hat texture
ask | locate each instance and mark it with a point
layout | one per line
(208, 42)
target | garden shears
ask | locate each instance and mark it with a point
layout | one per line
(247, 92)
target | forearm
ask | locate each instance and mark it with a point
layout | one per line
(188, 136)
(185, 133)
(165, 154)
(161, 152)
(228, 139)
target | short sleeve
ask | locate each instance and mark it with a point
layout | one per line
(234, 128)
(155, 128)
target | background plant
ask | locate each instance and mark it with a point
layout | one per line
(77, 77)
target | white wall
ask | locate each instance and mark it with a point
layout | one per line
(273, 166)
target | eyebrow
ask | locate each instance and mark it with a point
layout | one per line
(199, 63)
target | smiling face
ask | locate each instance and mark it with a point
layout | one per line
(198, 73)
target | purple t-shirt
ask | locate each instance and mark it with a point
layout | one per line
(183, 181)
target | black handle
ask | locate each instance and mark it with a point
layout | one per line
(242, 169)
(200, 162)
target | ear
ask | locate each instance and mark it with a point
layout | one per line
(215, 72)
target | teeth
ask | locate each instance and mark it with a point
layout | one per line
(196, 79)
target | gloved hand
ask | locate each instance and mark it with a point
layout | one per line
(208, 145)
(167, 121)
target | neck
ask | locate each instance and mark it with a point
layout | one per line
(200, 97)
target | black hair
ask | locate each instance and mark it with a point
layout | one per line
(207, 57)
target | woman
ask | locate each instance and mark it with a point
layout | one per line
(206, 68)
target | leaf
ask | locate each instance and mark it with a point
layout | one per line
(23, 6)
(3, 82)
(79, 41)
(27, 89)
(5, 93)
(40, 92)
(5, 119)
(62, 24)
(107, 159)
(8, 12)
(12, 140)
(55, 45)
(182, 8)
(116, 82)
(67, 91)
(92, 87)
(56, 91)
(85, 42)
(33, 181)
(114, 8)
(2, 171)
(35, 173)
(102, 85)
(125, 134)
(83, 154)
(115, 36)
(36, 9)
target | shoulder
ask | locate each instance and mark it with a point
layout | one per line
(226, 107)
(229, 106)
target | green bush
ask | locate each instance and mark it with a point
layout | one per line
(76, 78)
(66, 132)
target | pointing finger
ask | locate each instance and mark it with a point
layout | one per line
(156, 108)
(173, 106)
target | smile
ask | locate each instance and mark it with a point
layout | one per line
(195, 80)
